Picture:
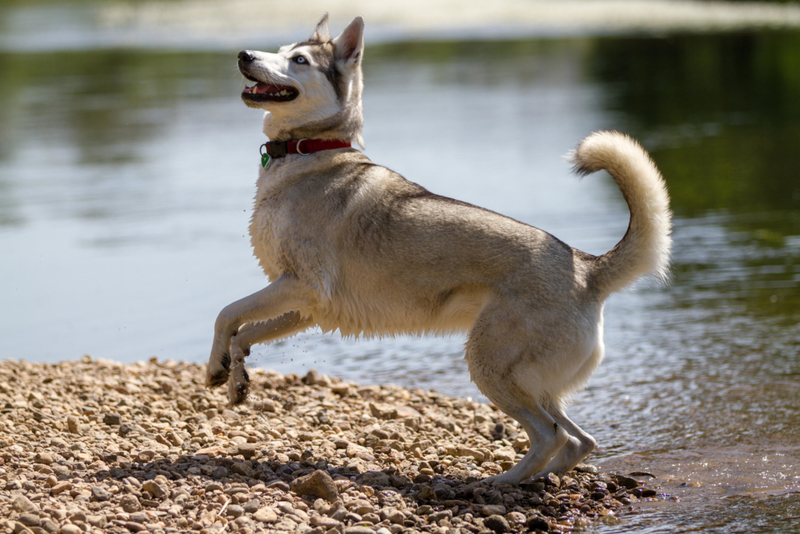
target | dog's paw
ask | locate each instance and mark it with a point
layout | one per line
(238, 387)
(503, 478)
(217, 370)
(239, 380)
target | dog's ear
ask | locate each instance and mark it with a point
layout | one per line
(349, 45)
(321, 33)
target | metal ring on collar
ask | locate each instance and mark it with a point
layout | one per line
(297, 147)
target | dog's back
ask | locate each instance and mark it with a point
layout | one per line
(386, 256)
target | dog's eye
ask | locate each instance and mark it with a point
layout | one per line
(300, 60)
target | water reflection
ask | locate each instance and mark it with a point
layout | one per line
(720, 113)
(77, 128)
(101, 100)
(721, 117)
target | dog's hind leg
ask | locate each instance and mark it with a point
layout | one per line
(580, 443)
(499, 344)
(547, 438)
(577, 447)
(252, 334)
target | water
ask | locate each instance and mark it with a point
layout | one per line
(127, 176)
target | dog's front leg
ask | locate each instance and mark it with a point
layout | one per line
(250, 334)
(283, 295)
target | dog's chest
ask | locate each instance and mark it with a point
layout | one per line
(265, 234)
(288, 230)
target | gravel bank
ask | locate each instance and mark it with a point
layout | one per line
(97, 446)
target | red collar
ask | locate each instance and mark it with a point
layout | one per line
(280, 149)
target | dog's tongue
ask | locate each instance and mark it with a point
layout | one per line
(262, 88)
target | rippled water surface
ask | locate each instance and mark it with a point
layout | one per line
(126, 179)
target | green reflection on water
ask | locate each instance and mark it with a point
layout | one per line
(721, 116)
(720, 113)
(98, 99)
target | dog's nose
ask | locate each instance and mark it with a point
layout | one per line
(246, 56)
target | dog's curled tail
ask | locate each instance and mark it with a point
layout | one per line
(645, 248)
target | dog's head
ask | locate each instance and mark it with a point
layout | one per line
(309, 89)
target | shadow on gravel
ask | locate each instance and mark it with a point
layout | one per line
(242, 485)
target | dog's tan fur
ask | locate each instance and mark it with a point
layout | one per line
(352, 246)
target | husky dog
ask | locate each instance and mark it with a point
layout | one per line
(349, 245)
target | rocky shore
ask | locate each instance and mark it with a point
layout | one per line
(97, 446)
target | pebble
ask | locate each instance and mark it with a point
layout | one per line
(61, 487)
(44, 458)
(244, 469)
(133, 526)
(626, 482)
(129, 503)
(317, 484)
(100, 493)
(251, 506)
(155, 489)
(325, 522)
(235, 511)
(537, 522)
(23, 505)
(497, 523)
(112, 419)
(29, 519)
(146, 448)
(247, 450)
(265, 515)
(493, 509)
(49, 526)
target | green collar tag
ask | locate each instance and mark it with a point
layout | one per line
(266, 159)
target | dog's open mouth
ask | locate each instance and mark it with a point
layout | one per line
(264, 92)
